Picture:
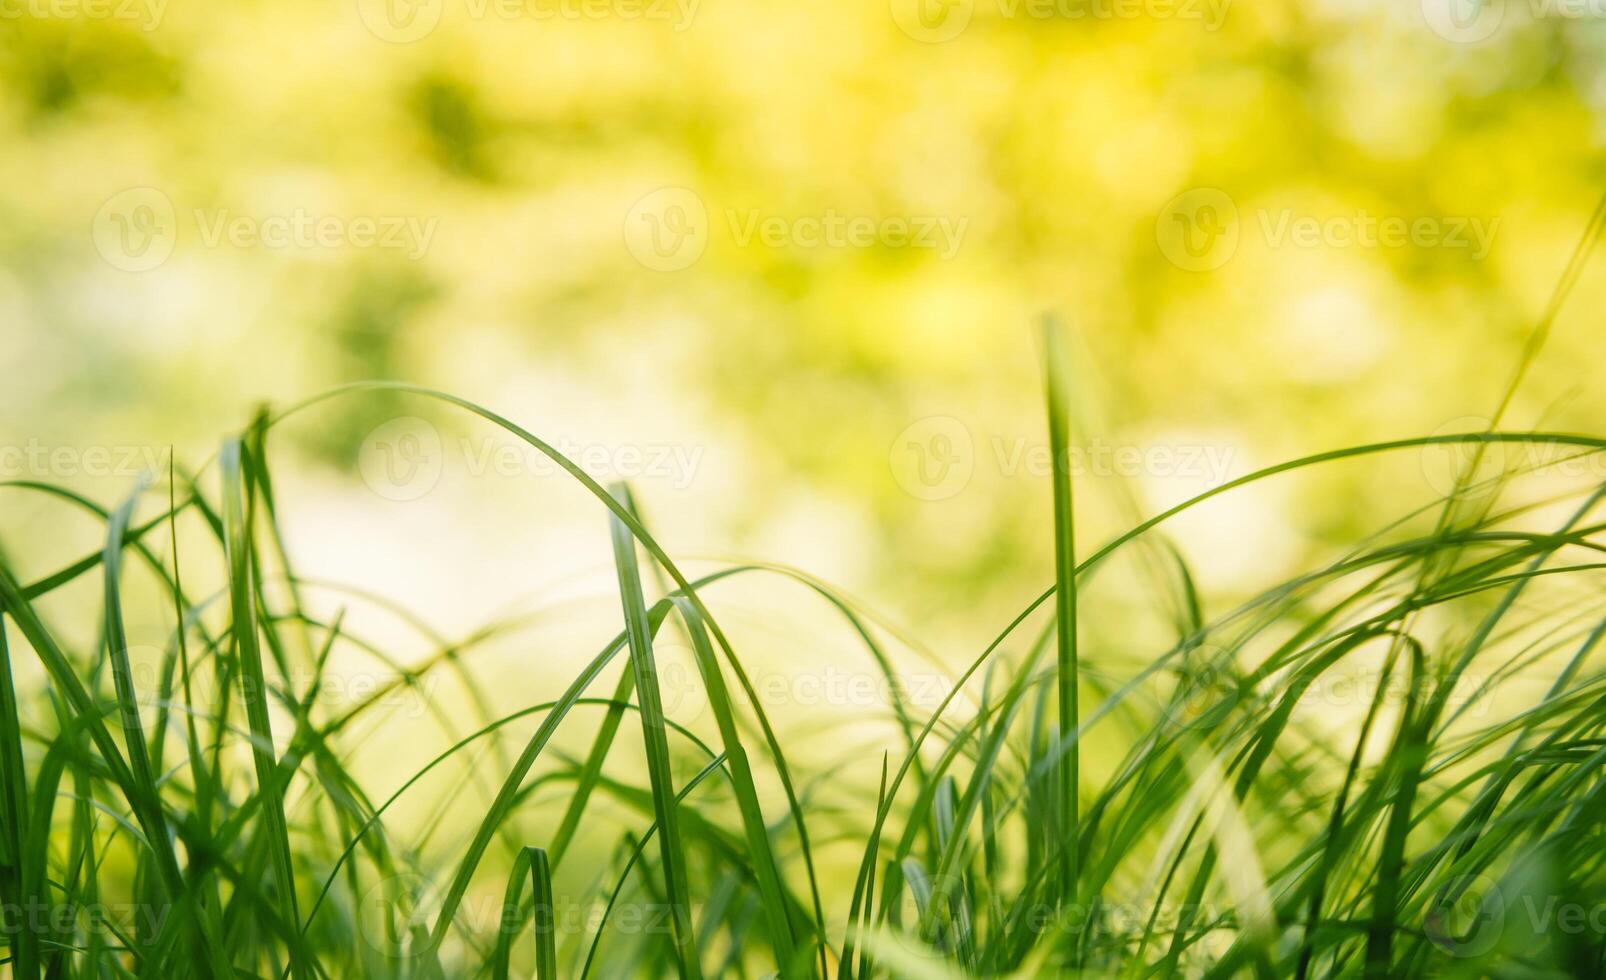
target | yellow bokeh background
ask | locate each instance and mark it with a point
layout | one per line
(1028, 164)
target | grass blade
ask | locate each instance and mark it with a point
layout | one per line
(673, 854)
(237, 516)
(14, 853)
(544, 915)
(1057, 381)
(765, 867)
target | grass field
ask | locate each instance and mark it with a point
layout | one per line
(1388, 765)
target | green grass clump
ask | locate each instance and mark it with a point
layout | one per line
(1208, 806)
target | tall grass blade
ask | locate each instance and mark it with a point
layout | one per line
(643, 666)
(237, 518)
(765, 867)
(1057, 381)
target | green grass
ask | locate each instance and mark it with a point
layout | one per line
(1083, 800)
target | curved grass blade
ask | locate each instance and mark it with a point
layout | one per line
(544, 916)
(530, 861)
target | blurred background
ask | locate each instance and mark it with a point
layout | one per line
(780, 266)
